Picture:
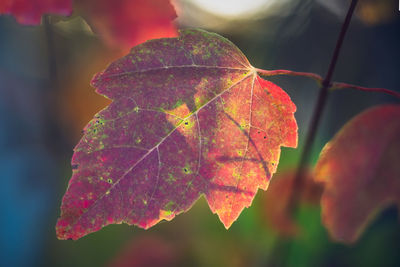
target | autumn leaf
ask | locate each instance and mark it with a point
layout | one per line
(125, 23)
(29, 12)
(361, 172)
(189, 117)
(275, 202)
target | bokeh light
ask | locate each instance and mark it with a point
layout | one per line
(234, 8)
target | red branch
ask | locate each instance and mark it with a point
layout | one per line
(319, 80)
(337, 85)
(267, 73)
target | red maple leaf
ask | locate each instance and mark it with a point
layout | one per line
(189, 117)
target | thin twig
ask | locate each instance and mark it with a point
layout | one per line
(320, 80)
(337, 86)
(316, 117)
(311, 75)
(298, 182)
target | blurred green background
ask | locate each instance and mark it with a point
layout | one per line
(46, 99)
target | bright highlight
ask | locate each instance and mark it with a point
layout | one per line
(232, 8)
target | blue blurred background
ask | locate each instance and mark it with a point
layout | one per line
(46, 99)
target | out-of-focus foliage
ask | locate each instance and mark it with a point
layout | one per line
(126, 23)
(121, 23)
(30, 12)
(276, 201)
(361, 172)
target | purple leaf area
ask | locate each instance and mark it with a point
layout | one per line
(189, 117)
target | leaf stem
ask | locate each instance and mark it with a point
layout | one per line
(339, 85)
(311, 75)
(320, 80)
(316, 117)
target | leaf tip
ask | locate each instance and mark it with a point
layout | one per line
(227, 225)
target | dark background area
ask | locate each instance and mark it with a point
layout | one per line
(46, 99)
